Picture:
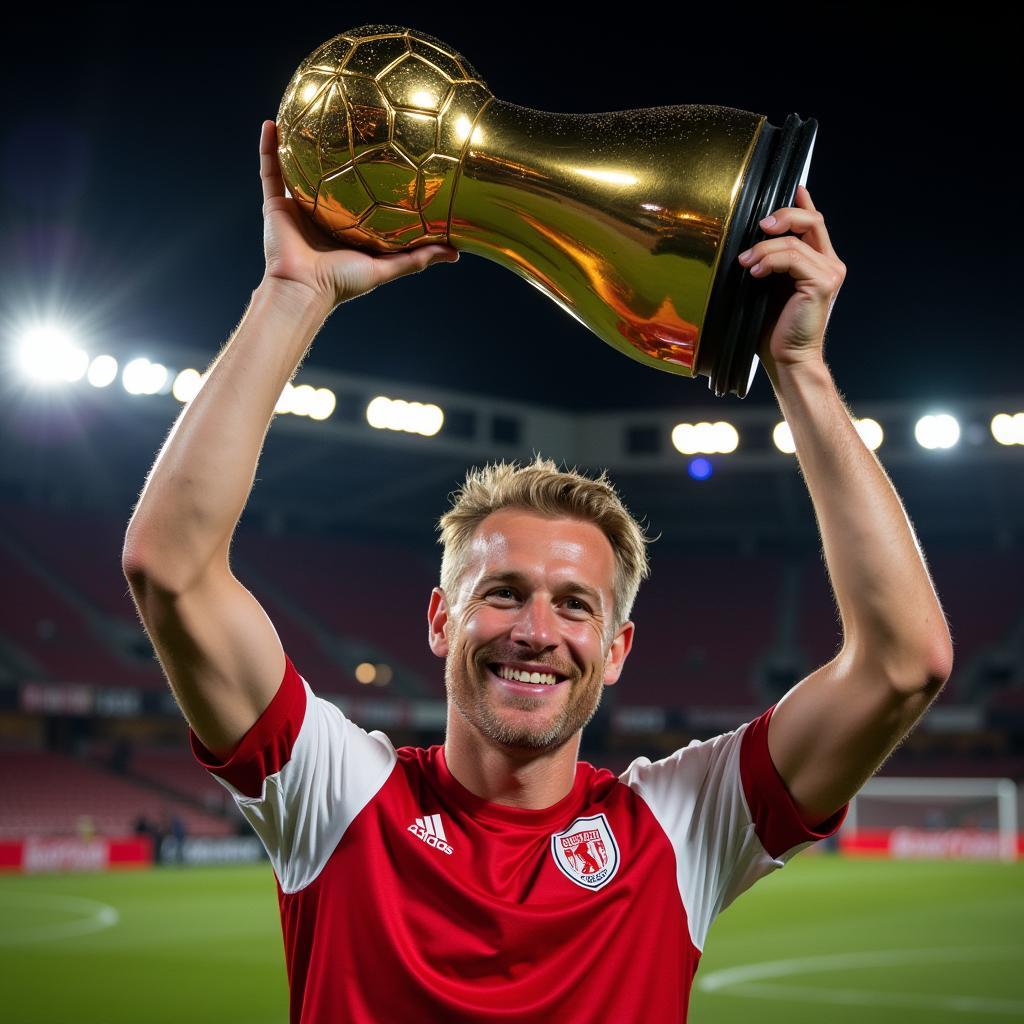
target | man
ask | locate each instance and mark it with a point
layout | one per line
(496, 877)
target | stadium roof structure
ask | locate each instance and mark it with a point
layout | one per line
(81, 444)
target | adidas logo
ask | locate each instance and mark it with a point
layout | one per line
(431, 831)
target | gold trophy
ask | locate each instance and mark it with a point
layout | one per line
(630, 220)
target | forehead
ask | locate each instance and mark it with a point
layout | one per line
(541, 546)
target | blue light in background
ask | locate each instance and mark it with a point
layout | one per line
(699, 469)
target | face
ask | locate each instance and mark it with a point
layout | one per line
(535, 596)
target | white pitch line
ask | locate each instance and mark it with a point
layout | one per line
(862, 997)
(95, 917)
(743, 980)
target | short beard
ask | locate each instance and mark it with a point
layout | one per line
(476, 709)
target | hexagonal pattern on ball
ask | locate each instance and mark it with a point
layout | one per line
(373, 126)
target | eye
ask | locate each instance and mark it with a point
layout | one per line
(583, 606)
(498, 591)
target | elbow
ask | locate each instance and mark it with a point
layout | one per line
(164, 579)
(156, 564)
(142, 579)
(147, 576)
(942, 662)
(132, 565)
(908, 672)
(135, 565)
(938, 658)
(133, 552)
(925, 672)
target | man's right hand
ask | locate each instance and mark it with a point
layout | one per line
(297, 251)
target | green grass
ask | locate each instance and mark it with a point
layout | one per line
(205, 945)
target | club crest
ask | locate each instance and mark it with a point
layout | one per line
(587, 852)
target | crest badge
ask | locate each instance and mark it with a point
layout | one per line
(586, 852)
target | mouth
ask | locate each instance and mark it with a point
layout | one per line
(519, 681)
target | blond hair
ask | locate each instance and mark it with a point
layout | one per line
(542, 488)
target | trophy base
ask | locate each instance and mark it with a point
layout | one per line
(740, 305)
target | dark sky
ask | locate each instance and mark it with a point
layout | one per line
(131, 199)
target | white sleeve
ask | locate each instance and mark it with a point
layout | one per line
(727, 813)
(300, 776)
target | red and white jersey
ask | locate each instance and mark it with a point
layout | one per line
(404, 896)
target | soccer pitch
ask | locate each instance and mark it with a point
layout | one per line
(823, 939)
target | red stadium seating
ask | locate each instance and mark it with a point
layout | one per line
(371, 593)
(83, 547)
(175, 769)
(703, 623)
(50, 794)
(58, 637)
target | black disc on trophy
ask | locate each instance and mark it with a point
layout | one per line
(738, 309)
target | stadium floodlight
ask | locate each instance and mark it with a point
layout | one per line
(937, 430)
(323, 404)
(305, 400)
(365, 672)
(302, 400)
(429, 419)
(705, 438)
(102, 371)
(1007, 429)
(871, 432)
(48, 353)
(384, 674)
(783, 438)
(397, 414)
(187, 384)
(142, 377)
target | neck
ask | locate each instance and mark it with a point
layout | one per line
(515, 777)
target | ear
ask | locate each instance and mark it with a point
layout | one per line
(620, 648)
(437, 623)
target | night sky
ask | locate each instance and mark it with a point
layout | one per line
(131, 202)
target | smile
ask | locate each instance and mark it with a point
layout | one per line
(521, 681)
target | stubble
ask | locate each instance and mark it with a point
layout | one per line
(472, 695)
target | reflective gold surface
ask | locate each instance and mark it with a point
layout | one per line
(371, 131)
(390, 139)
(618, 217)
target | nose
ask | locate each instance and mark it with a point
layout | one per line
(536, 624)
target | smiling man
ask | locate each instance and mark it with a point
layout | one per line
(495, 877)
(530, 636)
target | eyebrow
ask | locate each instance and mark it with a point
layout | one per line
(520, 580)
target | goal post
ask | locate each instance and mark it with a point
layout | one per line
(973, 819)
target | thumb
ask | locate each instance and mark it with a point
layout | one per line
(442, 254)
(401, 263)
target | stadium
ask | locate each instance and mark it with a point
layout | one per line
(131, 885)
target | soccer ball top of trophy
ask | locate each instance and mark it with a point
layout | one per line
(630, 220)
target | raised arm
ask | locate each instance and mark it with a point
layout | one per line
(217, 646)
(833, 730)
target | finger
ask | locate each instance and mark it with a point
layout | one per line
(803, 220)
(398, 264)
(803, 264)
(757, 252)
(270, 168)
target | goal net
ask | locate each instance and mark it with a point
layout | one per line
(974, 819)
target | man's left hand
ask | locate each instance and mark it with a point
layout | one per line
(798, 335)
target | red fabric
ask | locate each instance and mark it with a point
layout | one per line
(267, 747)
(393, 930)
(777, 820)
(493, 927)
